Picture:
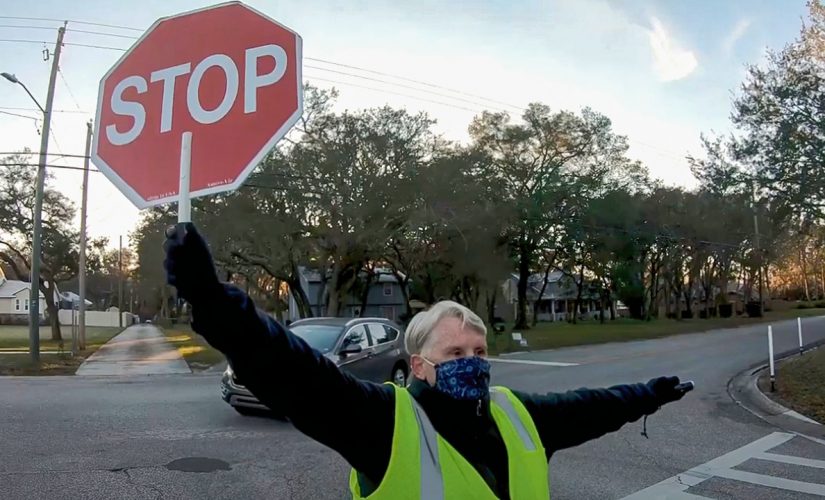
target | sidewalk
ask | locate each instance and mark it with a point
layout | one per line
(138, 350)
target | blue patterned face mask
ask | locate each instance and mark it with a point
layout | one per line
(465, 379)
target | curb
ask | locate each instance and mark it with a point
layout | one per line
(744, 391)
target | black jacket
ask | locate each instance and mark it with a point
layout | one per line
(283, 372)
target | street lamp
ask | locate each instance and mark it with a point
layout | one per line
(13, 79)
(34, 292)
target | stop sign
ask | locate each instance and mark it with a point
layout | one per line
(227, 74)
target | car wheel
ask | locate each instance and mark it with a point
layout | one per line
(399, 375)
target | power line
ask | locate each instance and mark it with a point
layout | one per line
(30, 153)
(115, 26)
(11, 108)
(94, 46)
(19, 115)
(393, 93)
(414, 81)
(18, 40)
(103, 34)
(22, 26)
(66, 84)
(397, 85)
(48, 165)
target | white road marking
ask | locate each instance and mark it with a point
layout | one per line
(676, 487)
(531, 362)
(787, 459)
(773, 482)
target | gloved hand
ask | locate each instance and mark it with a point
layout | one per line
(664, 388)
(189, 266)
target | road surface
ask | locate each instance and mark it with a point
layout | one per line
(170, 436)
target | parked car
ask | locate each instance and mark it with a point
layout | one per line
(368, 348)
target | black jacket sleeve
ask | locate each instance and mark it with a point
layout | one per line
(284, 373)
(574, 417)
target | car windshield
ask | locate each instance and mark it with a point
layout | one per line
(320, 337)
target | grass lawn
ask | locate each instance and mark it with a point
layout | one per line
(50, 364)
(555, 335)
(16, 338)
(799, 384)
(194, 349)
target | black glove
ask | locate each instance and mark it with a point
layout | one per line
(189, 266)
(664, 388)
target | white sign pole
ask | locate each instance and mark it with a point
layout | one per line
(799, 329)
(184, 201)
(770, 354)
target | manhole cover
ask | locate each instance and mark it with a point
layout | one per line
(198, 464)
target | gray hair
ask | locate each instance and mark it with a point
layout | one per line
(422, 324)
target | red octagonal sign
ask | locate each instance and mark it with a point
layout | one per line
(228, 74)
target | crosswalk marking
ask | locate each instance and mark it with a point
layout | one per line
(676, 487)
(787, 459)
(773, 482)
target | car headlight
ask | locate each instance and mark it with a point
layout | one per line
(229, 372)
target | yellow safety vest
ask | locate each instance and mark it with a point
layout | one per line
(424, 466)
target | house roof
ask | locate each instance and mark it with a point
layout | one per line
(10, 288)
(383, 275)
(559, 285)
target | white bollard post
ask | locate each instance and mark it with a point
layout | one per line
(770, 355)
(799, 329)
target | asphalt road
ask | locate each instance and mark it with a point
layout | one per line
(170, 436)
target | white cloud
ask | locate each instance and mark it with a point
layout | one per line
(670, 61)
(735, 35)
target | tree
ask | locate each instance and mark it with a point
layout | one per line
(781, 130)
(545, 168)
(59, 239)
(354, 170)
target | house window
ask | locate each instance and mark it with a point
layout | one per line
(26, 305)
(16, 304)
(387, 289)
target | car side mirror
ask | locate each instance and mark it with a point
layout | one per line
(350, 349)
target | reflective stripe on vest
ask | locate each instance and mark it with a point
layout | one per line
(504, 402)
(432, 483)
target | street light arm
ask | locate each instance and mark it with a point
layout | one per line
(30, 95)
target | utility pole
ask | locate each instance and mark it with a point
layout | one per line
(756, 238)
(81, 315)
(34, 297)
(120, 282)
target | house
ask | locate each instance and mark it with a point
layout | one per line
(557, 303)
(385, 298)
(14, 301)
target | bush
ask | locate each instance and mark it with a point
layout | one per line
(803, 305)
(820, 304)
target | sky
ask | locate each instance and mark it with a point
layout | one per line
(663, 71)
